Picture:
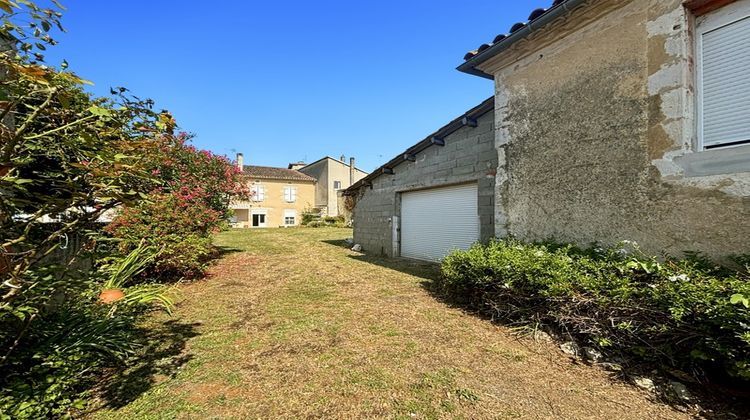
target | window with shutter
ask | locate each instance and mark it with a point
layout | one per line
(290, 194)
(290, 217)
(259, 192)
(723, 82)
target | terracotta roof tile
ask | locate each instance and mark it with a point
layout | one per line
(267, 172)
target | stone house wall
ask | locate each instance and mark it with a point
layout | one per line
(274, 202)
(595, 137)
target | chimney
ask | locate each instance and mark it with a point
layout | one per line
(343, 159)
(351, 171)
(240, 162)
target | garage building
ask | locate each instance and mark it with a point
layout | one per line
(436, 196)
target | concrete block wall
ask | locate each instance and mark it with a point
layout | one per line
(468, 156)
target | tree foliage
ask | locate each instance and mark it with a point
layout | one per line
(182, 212)
(66, 159)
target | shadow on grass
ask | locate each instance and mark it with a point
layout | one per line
(422, 269)
(337, 242)
(223, 251)
(160, 359)
(708, 401)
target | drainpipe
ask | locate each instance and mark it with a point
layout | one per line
(351, 171)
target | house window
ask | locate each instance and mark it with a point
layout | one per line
(336, 185)
(290, 194)
(290, 217)
(259, 220)
(259, 192)
(723, 76)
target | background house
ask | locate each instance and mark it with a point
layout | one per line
(279, 197)
(333, 176)
(613, 120)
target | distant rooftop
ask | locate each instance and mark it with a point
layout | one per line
(342, 162)
(268, 172)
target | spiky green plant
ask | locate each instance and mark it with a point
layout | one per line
(124, 271)
(121, 271)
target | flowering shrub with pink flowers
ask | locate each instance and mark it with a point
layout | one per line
(188, 205)
(70, 306)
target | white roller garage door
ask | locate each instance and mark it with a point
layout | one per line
(436, 221)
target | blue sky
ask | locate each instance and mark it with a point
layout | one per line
(284, 81)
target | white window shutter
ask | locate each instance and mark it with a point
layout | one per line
(288, 194)
(724, 83)
(259, 192)
(290, 217)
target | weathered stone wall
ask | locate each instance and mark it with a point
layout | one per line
(593, 119)
(468, 156)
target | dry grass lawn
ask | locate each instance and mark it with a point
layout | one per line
(292, 325)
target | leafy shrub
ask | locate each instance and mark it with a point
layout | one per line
(328, 221)
(180, 215)
(72, 157)
(309, 217)
(59, 359)
(68, 333)
(180, 234)
(690, 314)
(331, 220)
(310, 214)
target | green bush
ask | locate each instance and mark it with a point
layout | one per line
(309, 217)
(686, 314)
(69, 304)
(74, 335)
(61, 358)
(332, 220)
(180, 215)
(327, 221)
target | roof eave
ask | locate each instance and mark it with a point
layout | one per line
(486, 106)
(470, 65)
(470, 69)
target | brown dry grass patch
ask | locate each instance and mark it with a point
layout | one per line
(294, 326)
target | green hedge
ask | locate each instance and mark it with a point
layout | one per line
(688, 314)
(327, 221)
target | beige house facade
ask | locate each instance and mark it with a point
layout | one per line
(279, 197)
(333, 176)
(613, 120)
